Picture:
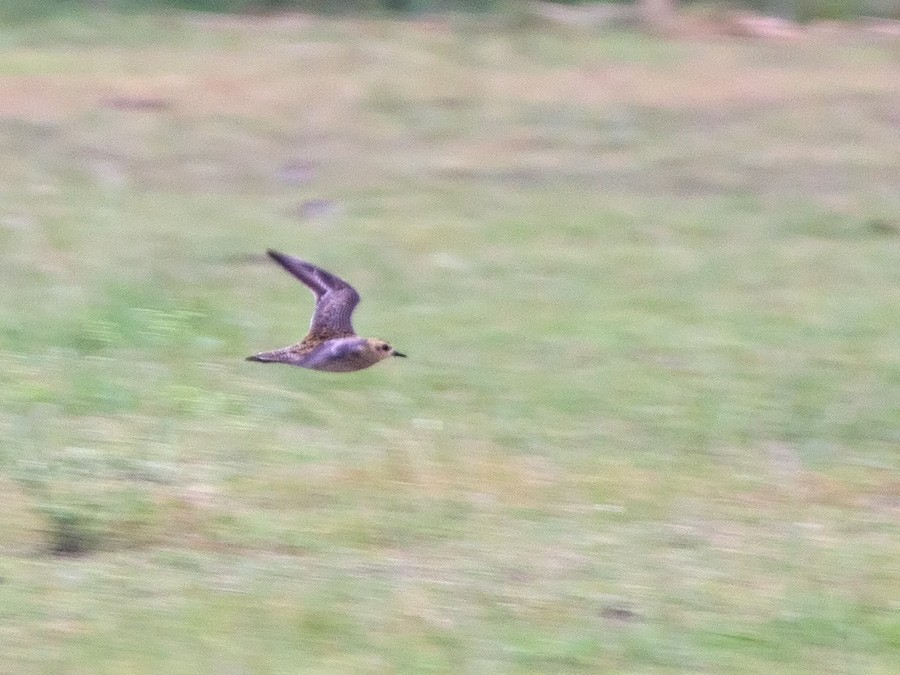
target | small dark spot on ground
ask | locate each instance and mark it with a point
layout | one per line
(621, 614)
(298, 172)
(315, 208)
(136, 103)
(884, 227)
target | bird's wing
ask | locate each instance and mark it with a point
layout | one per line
(335, 298)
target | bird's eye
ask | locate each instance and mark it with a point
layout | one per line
(384, 348)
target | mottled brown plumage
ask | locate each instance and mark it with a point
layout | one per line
(331, 343)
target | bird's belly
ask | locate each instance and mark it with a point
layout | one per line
(345, 364)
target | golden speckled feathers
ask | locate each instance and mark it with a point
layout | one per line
(335, 298)
(331, 343)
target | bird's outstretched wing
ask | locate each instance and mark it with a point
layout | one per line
(335, 298)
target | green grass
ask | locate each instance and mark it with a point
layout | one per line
(651, 415)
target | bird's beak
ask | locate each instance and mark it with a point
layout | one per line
(396, 353)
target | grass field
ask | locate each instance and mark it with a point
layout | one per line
(649, 291)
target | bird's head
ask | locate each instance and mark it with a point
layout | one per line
(382, 349)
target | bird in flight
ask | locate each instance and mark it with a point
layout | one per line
(331, 343)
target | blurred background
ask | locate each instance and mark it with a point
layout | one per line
(644, 259)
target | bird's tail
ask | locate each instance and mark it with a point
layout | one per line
(275, 356)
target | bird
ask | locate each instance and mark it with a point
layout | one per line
(331, 343)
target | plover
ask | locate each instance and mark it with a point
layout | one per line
(331, 343)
